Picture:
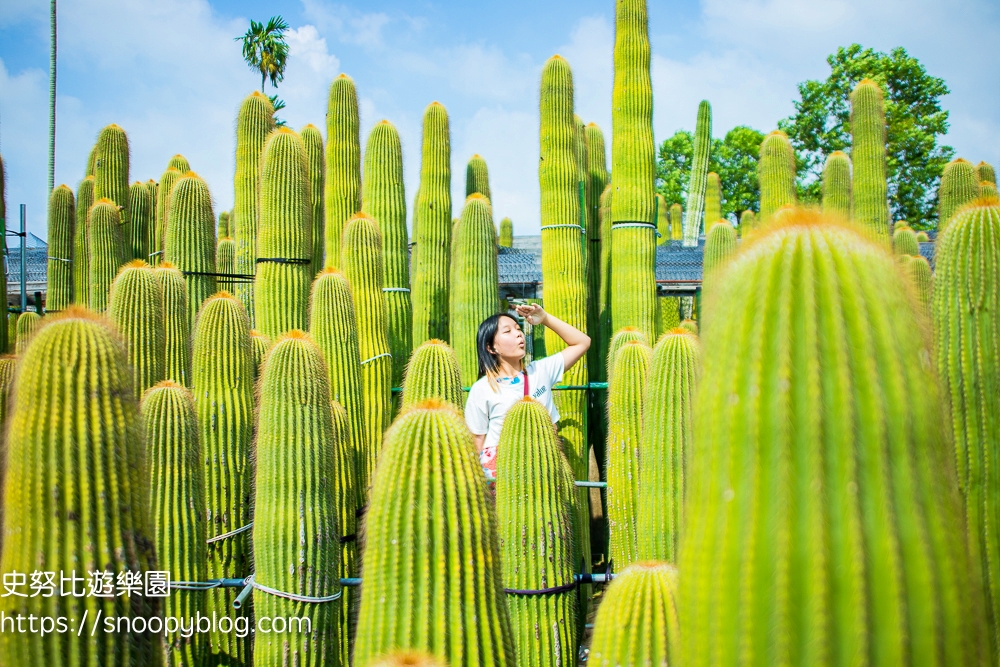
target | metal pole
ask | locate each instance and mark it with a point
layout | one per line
(52, 100)
(24, 259)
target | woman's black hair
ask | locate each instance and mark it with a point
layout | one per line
(489, 360)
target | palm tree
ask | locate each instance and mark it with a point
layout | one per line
(265, 49)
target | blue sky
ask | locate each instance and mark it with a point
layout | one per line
(169, 72)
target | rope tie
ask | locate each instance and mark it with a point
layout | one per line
(541, 591)
(196, 585)
(384, 354)
(616, 225)
(60, 259)
(395, 289)
(232, 533)
(292, 596)
(154, 254)
(555, 226)
(283, 260)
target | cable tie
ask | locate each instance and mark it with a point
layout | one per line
(237, 277)
(567, 225)
(283, 260)
(292, 596)
(384, 354)
(219, 538)
(60, 259)
(616, 225)
(541, 591)
(154, 254)
(196, 585)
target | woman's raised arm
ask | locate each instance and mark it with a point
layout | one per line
(577, 342)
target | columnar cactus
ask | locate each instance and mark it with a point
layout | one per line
(534, 500)
(107, 251)
(662, 220)
(296, 539)
(362, 262)
(713, 200)
(8, 364)
(455, 609)
(583, 193)
(260, 344)
(177, 511)
(837, 198)
(384, 199)
(603, 331)
(748, 221)
(27, 324)
(676, 222)
(986, 173)
(225, 263)
(158, 236)
(506, 233)
(190, 241)
(111, 167)
(222, 373)
(346, 492)
(698, 182)
(870, 188)
(11, 332)
(720, 245)
(474, 292)
(177, 329)
(775, 175)
(180, 163)
(477, 177)
(343, 164)
(142, 215)
(796, 505)
(626, 398)
(636, 623)
(666, 444)
(959, 186)
(62, 218)
(136, 308)
(432, 372)
(312, 140)
(904, 241)
(670, 313)
(919, 272)
(618, 341)
(81, 243)
(222, 231)
(74, 476)
(284, 237)
(253, 124)
(432, 229)
(597, 175)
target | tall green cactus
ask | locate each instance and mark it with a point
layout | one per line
(62, 218)
(477, 177)
(222, 231)
(506, 239)
(662, 220)
(177, 511)
(73, 492)
(343, 165)
(603, 331)
(959, 186)
(190, 240)
(107, 251)
(637, 621)
(904, 241)
(260, 344)
(8, 366)
(775, 175)
(225, 263)
(384, 199)
(698, 182)
(455, 607)
(534, 500)
(720, 245)
(432, 229)
(180, 163)
(433, 372)
(11, 332)
(919, 273)
(159, 234)
(362, 262)
(618, 341)
(583, 193)
(284, 237)
(748, 222)
(964, 306)
(626, 397)
(713, 200)
(296, 546)
(597, 176)
(666, 444)
(81, 243)
(27, 324)
(837, 198)
(870, 187)
(177, 329)
(676, 222)
(222, 376)
(253, 124)
(312, 140)
(141, 216)
(346, 492)
(111, 168)
(475, 289)
(798, 509)
(986, 173)
(136, 307)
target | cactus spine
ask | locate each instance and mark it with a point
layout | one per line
(343, 164)
(432, 229)
(713, 200)
(455, 609)
(986, 173)
(177, 329)
(136, 307)
(384, 199)
(295, 533)
(253, 124)
(868, 136)
(637, 621)
(60, 262)
(666, 444)
(107, 251)
(74, 478)
(158, 236)
(222, 373)
(284, 237)
(177, 510)
(904, 241)
(698, 182)
(506, 233)
(433, 372)
(720, 245)
(312, 140)
(474, 292)
(534, 496)
(477, 177)
(190, 241)
(959, 186)
(837, 185)
(919, 272)
(81, 243)
(805, 458)
(180, 163)
(27, 324)
(362, 262)
(775, 175)
(141, 215)
(111, 166)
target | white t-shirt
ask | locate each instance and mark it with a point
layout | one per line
(485, 408)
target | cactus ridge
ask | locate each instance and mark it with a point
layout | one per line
(158, 234)
(776, 176)
(81, 242)
(343, 165)
(506, 239)
(142, 213)
(698, 183)
(111, 168)
(477, 177)
(62, 218)
(429, 514)
(347, 494)
(959, 186)
(597, 181)
(11, 332)
(796, 509)
(136, 307)
(312, 141)
(27, 324)
(837, 198)
(190, 239)
(177, 329)
(869, 186)
(433, 372)
(8, 366)
(107, 251)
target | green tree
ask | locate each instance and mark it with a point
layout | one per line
(265, 49)
(673, 167)
(821, 124)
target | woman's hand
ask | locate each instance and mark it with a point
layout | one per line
(532, 312)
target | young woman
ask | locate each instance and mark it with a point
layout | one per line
(504, 379)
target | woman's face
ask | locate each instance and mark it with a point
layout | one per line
(509, 341)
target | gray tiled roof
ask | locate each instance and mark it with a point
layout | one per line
(927, 252)
(519, 266)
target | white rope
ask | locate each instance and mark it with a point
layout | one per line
(555, 226)
(154, 254)
(60, 259)
(231, 533)
(384, 354)
(196, 585)
(395, 289)
(291, 596)
(616, 225)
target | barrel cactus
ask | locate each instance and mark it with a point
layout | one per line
(477, 177)
(260, 344)
(837, 185)
(136, 308)
(60, 258)
(177, 329)
(986, 173)
(689, 325)
(190, 239)
(142, 214)
(869, 187)
(27, 324)
(904, 241)
(107, 251)
(959, 186)
(748, 221)
(720, 246)
(180, 163)
(433, 372)
(407, 658)
(158, 236)
(225, 264)
(81, 243)
(988, 190)
(11, 332)
(506, 233)
(919, 273)
(775, 175)
(312, 141)
(698, 181)
(111, 168)
(8, 364)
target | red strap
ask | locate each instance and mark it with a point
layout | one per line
(525, 382)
